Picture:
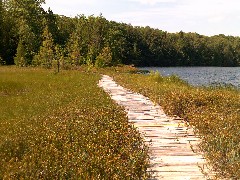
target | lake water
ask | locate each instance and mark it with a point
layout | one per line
(199, 76)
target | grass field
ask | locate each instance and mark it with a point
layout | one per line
(213, 111)
(62, 126)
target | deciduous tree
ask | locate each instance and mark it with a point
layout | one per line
(104, 59)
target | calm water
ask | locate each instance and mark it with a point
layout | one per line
(199, 76)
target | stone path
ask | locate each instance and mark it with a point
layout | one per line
(171, 155)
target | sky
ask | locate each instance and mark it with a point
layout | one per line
(206, 17)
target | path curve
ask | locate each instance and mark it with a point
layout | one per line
(171, 155)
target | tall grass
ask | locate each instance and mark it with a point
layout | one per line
(62, 126)
(213, 111)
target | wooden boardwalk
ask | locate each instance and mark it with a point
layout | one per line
(171, 155)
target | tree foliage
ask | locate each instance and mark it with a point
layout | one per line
(104, 58)
(46, 54)
(20, 59)
(83, 40)
(74, 50)
(1, 27)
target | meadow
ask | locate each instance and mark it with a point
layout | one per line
(214, 112)
(63, 126)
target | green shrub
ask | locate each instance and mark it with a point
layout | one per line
(104, 59)
(156, 76)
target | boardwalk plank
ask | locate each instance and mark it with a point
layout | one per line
(169, 139)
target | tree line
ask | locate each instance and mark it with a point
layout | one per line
(32, 36)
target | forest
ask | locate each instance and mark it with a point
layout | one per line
(32, 36)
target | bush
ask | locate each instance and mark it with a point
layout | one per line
(104, 59)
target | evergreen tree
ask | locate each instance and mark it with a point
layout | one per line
(51, 22)
(28, 38)
(46, 53)
(20, 59)
(22, 20)
(74, 54)
(84, 38)
(59, 57)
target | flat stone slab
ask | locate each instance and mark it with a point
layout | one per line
(169, 139)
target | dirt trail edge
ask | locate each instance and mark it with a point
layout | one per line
(171, 155)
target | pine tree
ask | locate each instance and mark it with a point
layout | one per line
(59, 57)
(28, 39)
(46, 53)
(20, 59)
(74, 52)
